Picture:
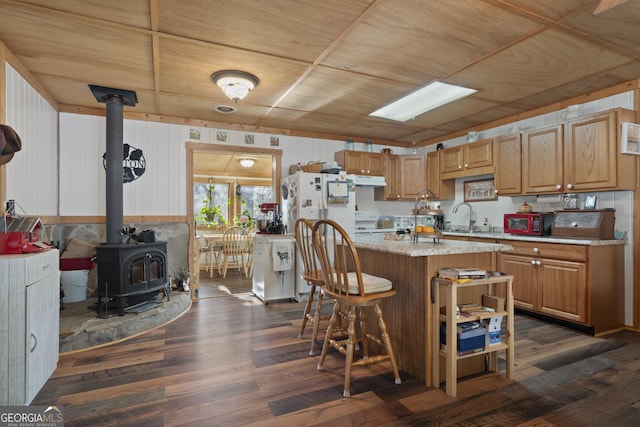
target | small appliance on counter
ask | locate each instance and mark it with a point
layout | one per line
(274, 225)
(591, 224)
(529, 224)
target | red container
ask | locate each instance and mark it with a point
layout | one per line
(70, 264)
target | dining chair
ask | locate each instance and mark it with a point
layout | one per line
(354, 292)
(234, 247)
(214, 245)
(248, 272)
(312, 274)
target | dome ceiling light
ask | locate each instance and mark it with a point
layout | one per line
(246, 162)
(235, 84)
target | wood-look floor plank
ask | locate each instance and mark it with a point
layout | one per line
(231, 360)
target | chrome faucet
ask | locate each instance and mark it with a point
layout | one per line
(471, 221)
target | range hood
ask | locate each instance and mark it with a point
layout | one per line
(368, 180)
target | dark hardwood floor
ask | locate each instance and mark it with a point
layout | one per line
(232, 361)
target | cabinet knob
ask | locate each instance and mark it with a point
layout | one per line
(466, 165)
(368, 171)
(536, 250)
(569, 186)
(559, 187)
(574, 224)
(533, 262)
(538, 262)
(496, 191)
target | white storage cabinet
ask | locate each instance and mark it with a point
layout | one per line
(29, 324)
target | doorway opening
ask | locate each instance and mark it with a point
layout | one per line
(231, 192)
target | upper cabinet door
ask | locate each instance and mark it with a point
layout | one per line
(375, 164)
(593, 155)
(414, 175)
(452, 159)
(508, 177)
(590, 153)
(478, 154)
(542, 159)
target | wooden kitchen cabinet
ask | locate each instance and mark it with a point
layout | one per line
(406, 178)
(582, 284)
(29, 333)
(583, 155)
(443, 189)
(508, 176)
(593, 158)
(413, 170)
(542, 160)
(392, 178)
(361, 162)
(471, 159)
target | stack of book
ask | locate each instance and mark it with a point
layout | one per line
(457, 273)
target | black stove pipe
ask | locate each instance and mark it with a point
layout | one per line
(114, 170)
(115, 99)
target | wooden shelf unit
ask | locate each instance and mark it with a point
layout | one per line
(451, 353)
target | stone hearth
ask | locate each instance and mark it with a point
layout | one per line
(80, 328)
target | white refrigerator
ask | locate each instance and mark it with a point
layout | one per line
(318, 196)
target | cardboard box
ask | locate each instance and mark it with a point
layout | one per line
(471, 341)
(78, 249)
(492, 301)
(494, 330)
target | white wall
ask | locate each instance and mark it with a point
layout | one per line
(32, 174)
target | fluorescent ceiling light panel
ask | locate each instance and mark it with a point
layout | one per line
(419, 102)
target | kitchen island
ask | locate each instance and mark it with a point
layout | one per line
(410, 267)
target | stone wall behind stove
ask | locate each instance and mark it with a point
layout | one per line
(175, 234)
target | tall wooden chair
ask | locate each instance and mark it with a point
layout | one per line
(313, 276)
(353, 292)
(234, 248)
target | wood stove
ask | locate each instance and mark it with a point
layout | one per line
(128, 273)
(131, 273)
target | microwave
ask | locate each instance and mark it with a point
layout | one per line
(530, 224)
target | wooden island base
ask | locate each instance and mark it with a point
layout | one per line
(409, 313)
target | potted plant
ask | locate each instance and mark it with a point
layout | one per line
(244, 218)
(210, 214)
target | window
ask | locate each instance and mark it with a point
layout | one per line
(252, 196)
(214, 195)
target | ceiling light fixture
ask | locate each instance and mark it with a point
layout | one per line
(419, 102)
(246, 162)
(234, 83)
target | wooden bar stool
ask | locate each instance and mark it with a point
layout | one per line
(353, 291)
(313, 276)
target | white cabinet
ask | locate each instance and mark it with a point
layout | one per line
(274, 267)
(29, 332)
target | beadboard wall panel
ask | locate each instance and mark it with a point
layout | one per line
(32, 174)
(82, 179)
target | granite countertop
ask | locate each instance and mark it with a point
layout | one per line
(425, 246)
(545, 239)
